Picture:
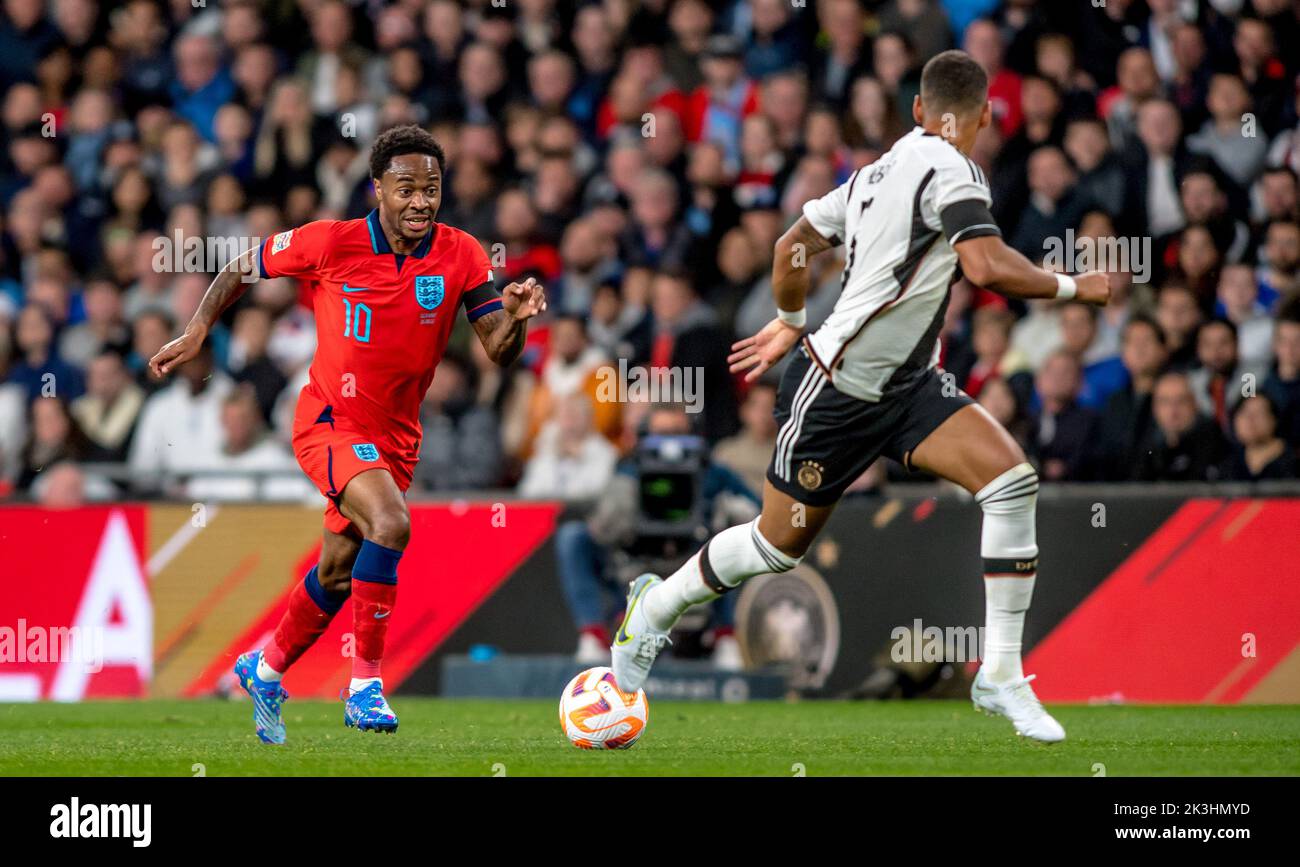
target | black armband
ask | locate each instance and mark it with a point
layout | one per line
(967, 219)
(481, 300)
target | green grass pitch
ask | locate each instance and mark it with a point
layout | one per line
(522, 738)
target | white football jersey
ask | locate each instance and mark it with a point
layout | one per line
(899, 218)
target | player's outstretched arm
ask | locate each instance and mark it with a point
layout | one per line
(790, 285)
(987, 261)
(230, 283)
(502, 332)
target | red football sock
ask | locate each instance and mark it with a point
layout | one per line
(372, 608)
(308, 616)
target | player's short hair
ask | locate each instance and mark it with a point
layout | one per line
(953, 81)
(400, 140)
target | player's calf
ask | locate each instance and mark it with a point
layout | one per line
(311, 608)
(723, 564)
(1009, 548)
(372, 501)
(374, 595)
(654, 606)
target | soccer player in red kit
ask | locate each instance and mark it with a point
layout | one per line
(387, 290)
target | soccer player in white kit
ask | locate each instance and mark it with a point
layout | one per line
(866, 384)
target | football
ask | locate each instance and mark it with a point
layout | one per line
(595, 714)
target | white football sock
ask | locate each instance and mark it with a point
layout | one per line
(266, 672)
(1009, 548)
(1005, 602)
(360, 683)
(734, 555)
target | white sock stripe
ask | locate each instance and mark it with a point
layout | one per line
(786, 428)
(1014, 495)
(1019, 474)
(770, 551)
(776, 561)
(767, 558)
(1010, 487)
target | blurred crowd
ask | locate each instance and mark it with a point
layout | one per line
(640, 159)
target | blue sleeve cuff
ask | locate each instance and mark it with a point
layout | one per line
(484, 309)
(259, 267)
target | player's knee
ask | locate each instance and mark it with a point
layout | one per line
(335, 577)
(791, 541)
(391, 528)
(1008, 542)
(1014, 491)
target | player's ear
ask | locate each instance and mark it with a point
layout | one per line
(986, 116)
(918, 112)
(379, 194)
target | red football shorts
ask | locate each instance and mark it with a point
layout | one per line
(331, 451)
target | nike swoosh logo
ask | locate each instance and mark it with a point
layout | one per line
(380, 615)
(347, 288)
(621, 637)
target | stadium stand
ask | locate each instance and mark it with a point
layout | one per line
(639, 158)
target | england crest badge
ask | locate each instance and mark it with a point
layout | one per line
(428, 291)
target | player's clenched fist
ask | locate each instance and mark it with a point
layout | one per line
(1093, 288)
(524, 300)
(176, 352)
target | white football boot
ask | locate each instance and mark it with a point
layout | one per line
(1016, 701)
(637, 643)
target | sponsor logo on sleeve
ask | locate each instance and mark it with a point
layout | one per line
(281, 241)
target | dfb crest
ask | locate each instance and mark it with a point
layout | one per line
(428, 291)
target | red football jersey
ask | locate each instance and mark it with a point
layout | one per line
(382, 318)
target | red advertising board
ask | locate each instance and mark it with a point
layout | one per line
(76, 619)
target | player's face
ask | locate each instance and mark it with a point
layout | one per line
(410, 193)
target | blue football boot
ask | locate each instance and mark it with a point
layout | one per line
(268, 696)
(369, 711)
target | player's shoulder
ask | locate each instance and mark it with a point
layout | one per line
(949, 163)
(319, 232)
(935, 150)
(460, 243)
(449, 234)
(456, 237)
